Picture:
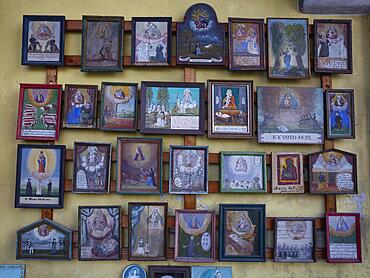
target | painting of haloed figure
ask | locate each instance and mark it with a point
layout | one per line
(288, 49)
(147, 231)
(188, 173)
(195, 236)
(200, 38)
(91, 167)
(242, 172)
(294, 240)
(44, 239)
(118, 106)
(99, 233)
(332, 172)
(211, 272)
(290, 115)
(40, 176)
(139, 165)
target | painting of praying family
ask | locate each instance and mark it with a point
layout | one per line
(40, 176)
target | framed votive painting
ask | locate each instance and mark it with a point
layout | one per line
(288, 48)
(195, 236)
(91, 167)
(340, 114)
(294, 240)
(290, 115)
(287, 172)
(99, 233)
(147, 226)
(246, 44)
(188, 171)
(139, 165)
(230, 109)
(80, 106)
(102, 43)
(333, 45)
(242, 233)
(40, 176)
(43, 40)
(12, 270)
(134, 271)
(242, 172)
(343, 238)
(211, 271)
(39, 112)
(44, 239)
(159, 271)
(152, 41)
(332, 172)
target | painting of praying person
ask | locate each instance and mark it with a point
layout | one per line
(211, 272)
(343, 238)
(159, 271)
(242, 172)
(44, 239)
(287, 172)
(80, 104)
(294, 240)
(172, 108)
(39, 112)
(200, 38)
(340, 119)
(332, 172)
(195, 236)
(43, 40)
(91, 167)
(40, 176)
(134, 271)
(288, 50)
(246, 44)
(333, 45)
(147, 231)
(118, 106)
(153, 40)
(290, 115)
(230, 110)
(139, 165)
(102, 43)
(188, 172)
(99, 233)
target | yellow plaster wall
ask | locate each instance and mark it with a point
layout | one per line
(12, 73)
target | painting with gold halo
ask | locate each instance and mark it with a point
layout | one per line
(139, 165)
(40, 176)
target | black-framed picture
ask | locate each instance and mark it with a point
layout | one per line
(159, 271)
(151, 41)
(40, 176)
(43, 40)
(242, 233)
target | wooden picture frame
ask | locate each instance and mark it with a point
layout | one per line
(42, 165)
(292, 49)
(194, 155)
(118, 95)
(154, 220)
(55, 238)
(239, 165)
(211, 271)
(343, 234)
(250, 235)
(230, 109)
(45, 45)
(246, 44)
(134, 270)
(183, 114)
(203, 229)
(80, 106)
(38, 110)
(325, 168)
(107, 217)
(91, 167)
(12, 270)
(144, 162)
(179, 271)
(111, 43)
(157, 43)
(297, 243)
(330, 41)
(340, 111)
